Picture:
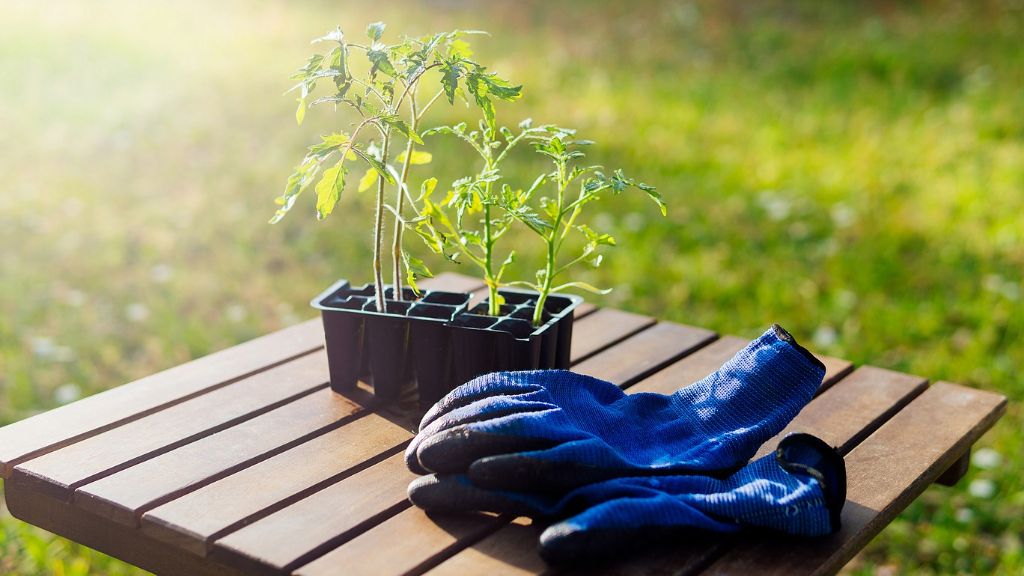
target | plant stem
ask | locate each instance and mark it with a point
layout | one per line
(552, 242)
(396, 244)
(378, 228)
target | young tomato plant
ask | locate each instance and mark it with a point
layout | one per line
(383, 88)
(471, 219)
(572, 187)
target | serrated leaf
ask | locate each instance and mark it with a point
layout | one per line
(427, 189)
(402, 127)
(328, 144)
(375, 31)
(451, 71)
(328, 190)
(380, 61)
(377, 165)
(368, 179)
(417, 157)
(309, 68)
(298, 181)
(595, 238)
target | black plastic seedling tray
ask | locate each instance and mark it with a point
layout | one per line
(434, 342)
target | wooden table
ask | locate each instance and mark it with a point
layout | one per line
(245, 462)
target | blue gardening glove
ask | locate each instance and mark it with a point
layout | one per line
(799, 490)
(556, 430)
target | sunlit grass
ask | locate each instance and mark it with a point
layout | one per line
(852, 173)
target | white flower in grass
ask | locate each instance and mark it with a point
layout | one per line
(42, 346)
(825, 336)
(67, 393)
(982, 488)
(987, 458)
(235, 313)
(964, 515)
(75, 298)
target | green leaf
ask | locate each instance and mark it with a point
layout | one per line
(427, 189)
(415, 269)
(339, 64)
(378, 56)
(300, 112)
(375, 31)
(417, 157)
(328, 190)
(376, 165)
(502, 89)
(582, 286)
(368, 179)
(298, 181)
(595, 238)
(401, 126)
(328, 144)
(309, 68)
(451, 71)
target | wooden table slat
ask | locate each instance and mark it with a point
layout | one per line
(115, 407)
(885, 473)
(645, 353)
(363, 554)
(194, 520)
(616, 325)
(123, 497)
(62, 471)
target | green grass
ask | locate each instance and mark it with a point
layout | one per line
(853, 172)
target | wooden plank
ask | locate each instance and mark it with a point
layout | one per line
(851, 408)
(93, 415)
(403, 553)
(60, 472)
(97, 533)
(511, 550)
(604, 328)
(585, 309)
(335, 514)
(90, 416)
(645, 353)
(885, 473)
(194, 520)
(124, 496)
(363, 555)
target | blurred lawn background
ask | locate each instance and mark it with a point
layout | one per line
(853, 171)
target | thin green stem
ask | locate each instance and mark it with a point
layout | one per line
(396, 244)
(553, 244)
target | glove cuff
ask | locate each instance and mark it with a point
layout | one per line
(804, 454)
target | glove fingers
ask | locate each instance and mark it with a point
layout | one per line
(486, 386)
(483, 416)
(452, 451)
(436, 493)
(618, 526)
(543, 469)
